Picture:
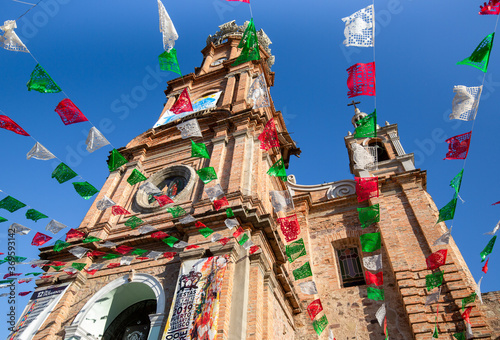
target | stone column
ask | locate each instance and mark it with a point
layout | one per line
(397, 143)
(95, 216)
(219, 153)
(234, 49)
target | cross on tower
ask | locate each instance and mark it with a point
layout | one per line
(353, 103)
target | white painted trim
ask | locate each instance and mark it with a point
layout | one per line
(146, 279)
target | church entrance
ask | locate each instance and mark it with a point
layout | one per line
(120, 314)
(133, 323)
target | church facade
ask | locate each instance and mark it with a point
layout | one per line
(255, 295)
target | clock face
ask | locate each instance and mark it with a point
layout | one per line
(218, 61)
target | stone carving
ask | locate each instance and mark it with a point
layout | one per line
(335, 189)
(231, 29)
(341, 188)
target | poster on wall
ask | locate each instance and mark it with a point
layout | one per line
(41, 303)
(203, 103)
(196, 300)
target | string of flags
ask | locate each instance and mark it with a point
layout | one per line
(64, 173)
(283, 206)
(69, 113)
(42, 82)
(464, 107)
(206, 175)
(133, 223)
(360, 32)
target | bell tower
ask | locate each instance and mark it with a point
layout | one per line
(170, 276)
(376, 156)
(137, 293)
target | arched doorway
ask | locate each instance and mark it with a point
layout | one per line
(133, 323)
(125, 304)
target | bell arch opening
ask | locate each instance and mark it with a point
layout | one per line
(382, 154)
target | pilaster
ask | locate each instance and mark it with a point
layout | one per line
(270, 285)
(239, 173)
(228, 93)
(241, 92)
(255, 305)
(156, 326)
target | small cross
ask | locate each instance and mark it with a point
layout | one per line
(353, 103)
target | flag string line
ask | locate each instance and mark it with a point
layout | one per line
(27, 205)
(472, 129)
(474, 120)
(101, 246)
(26, 3)
(36, 141)
(34, 5)
(78, 175)
(376, 161)
(67, 96)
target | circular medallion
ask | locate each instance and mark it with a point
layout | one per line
(176, 182)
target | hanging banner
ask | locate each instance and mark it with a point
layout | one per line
(196, 300)
(40, 305)
(204, 103)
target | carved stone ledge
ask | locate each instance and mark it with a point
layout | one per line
(289, 289)
(230, 248)
(336, 189)
(192, 254)
(260, 260)
(244, 70)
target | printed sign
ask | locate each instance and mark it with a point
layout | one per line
(196, 300)
(204, 103)
(41, 303)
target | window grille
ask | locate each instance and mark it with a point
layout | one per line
(350, 267)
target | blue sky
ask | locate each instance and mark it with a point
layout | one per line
(102, 52)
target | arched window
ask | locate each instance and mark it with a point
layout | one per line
(350, 267)
(382, 154)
